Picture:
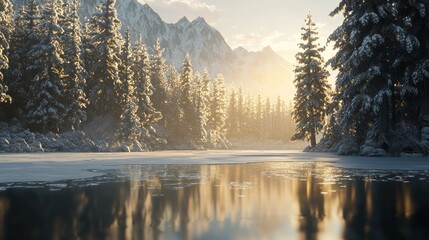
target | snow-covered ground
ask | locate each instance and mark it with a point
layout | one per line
(63, 166)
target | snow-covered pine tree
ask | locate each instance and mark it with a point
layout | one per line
(6, 20)
(130, 127)
(14, 75)
(382, 63)
(187, 122)
(103, 27)
(62, 9)
(247, 122)
(173, 112)
(32, 16)
(420, 17)
(276, 132)
(89, 55)
(158, 70)
(6, 14)
(311, 86)
(45, 107)
(144, 89)
(75, 75)
(267, 119)
(21, 73)
(240, 111)
(259, 117)
(200, 107)
(126, 75)
(217, 110)
(232, 120)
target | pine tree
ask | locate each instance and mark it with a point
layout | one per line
(240, 111)
(144, 89)
(32, 17)
(232, 121)
(217, 109)
(259, 117)
(200, 106)
(383, 65)
(278, 120)
(62, 8)
(5, 34)
(130, 125)
(45, 107)
(75, 75)
(266, 120)
(173, 112)
(311, 85)
(247, 122)
(106, 40)
(89, 54)
(21, 72)
(126, 75)
(158, 77)
(187, 122)
(14, 75)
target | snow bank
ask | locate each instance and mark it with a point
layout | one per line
(98, 136)
(15, 139)
(405, 144)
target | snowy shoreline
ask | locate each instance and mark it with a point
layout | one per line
(49, 167)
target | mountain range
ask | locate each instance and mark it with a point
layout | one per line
(263, 71)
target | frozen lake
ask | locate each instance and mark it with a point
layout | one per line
(213, 195)
(61, 166)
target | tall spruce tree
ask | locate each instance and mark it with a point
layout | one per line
(89, 54)
(14, 75)
(173, 112)
(187, 122)
(144, 89)
(266, 119)
(311, 86)
(21, 73)
(232, 121)
(259, 128)
(383, 66)
(130, 127)
(45, 108)
(75, 74)
(247, 119)
(158, 70)
(6, 14)
(201, 90)
(240, 110)
(126, 75)
(217, 109)
(106, 41)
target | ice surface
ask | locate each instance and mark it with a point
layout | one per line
(51, 167)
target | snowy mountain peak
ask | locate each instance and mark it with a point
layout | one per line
(269, 50)
(183, 22)
(241, 51)
(148, 11)
(199, 20)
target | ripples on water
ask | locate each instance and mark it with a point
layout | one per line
(248, 201)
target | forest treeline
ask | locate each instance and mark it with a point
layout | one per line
(59, 75)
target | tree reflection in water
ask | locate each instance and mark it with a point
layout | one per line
(249, 201)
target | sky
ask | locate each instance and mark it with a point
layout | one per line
(255, 24)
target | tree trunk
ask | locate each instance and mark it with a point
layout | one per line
(313, 138)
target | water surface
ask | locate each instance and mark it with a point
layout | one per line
(247, 201)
